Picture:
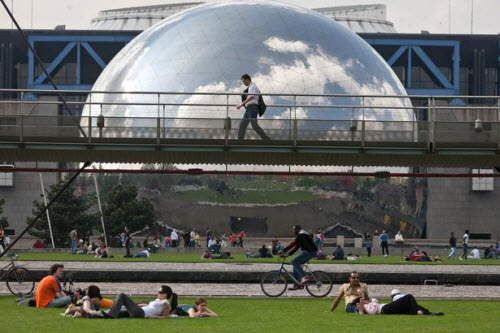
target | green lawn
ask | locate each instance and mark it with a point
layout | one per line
(251, 197)
(264, 315)
(238, 258)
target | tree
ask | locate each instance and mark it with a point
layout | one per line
(123, 208)
(3, 220)
(69, 212)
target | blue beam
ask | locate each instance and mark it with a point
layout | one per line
(430, 92)
(94, 55)
(396, 55)
(62, 87)
(31, 66)
(456, 68)
(408, 70)
(56, 62)
(78, 64)
(82, 38)
(411, 42)
(432, 67)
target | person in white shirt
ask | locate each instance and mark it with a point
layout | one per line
(399, 239)
(465, 244)
(251, 103)
(474, 254)
(174, 237)
(405, 304)
(157, 309)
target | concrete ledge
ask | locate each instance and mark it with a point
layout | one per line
(254, 277)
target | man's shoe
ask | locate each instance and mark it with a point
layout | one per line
(305, 279)
(436, 314)
(294, 288)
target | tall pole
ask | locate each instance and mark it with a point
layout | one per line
(472, 18)
(47, 211)
(100, 210)
(449, 17)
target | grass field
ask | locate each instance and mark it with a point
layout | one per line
(250, 197)
(264, 315)
(237, 258)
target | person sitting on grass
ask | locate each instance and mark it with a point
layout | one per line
(157, 309)
(249, 254)
(102, 251)
(352, 257)
(489, 252)
(320, 255)
(474, 254)
(92, 300)
(352, 293)
(338, 254)
(49, 293)
(199, 309)
(264, 252)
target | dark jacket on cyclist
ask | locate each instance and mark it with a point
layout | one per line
(304, 241)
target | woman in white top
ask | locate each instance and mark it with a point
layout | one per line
(157, 309)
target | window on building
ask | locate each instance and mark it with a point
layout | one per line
(6, 178)
(482, 183)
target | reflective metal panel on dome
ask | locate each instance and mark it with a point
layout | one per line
(286, 49)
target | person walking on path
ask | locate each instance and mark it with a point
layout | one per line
(369, 244)
(453, 246)
(127, 242)
(74, 240)
(251, 103)
(465, 244)
(384, 243)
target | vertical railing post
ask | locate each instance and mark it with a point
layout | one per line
(295, 121)
(21, 134)
(158, 131)
(498, 123)
(430, 131)
(227, 124)
(164, 134)
(90, 119)
(363, 134)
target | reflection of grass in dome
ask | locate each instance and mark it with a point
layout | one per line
(252, 197)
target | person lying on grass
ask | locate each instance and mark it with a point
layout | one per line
(404, 305)
(90, 300)
(157, 309)
(199, 309)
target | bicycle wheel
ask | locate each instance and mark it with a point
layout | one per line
(273, 283)
(319, 284)
(20, 281)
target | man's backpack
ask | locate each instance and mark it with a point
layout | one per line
(260, 104)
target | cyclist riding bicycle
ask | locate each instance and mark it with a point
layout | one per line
(305, 242)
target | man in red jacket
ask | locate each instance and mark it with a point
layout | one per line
(304, 241)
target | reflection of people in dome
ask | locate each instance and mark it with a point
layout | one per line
(251, 105)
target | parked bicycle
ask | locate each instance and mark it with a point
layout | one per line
(274, 283)
(18, 278)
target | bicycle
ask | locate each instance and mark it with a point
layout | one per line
(19, 279)
(274, 283)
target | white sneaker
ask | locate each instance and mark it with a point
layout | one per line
(385, 255)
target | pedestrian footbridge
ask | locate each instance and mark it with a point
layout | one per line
(305, 130)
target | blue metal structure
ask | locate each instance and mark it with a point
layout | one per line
(410, 46)
(72, 41)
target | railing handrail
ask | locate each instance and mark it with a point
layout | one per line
(230, 93)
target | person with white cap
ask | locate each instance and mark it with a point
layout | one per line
(405, 304)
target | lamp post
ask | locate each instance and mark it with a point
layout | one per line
(100, 210)
(47, 211)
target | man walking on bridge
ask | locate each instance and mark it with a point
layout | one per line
(251, 103)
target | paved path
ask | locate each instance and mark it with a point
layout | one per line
(252, 267)
(253, 290)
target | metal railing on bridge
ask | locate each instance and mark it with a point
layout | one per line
(209, 122)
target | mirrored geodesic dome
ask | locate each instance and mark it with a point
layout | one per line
(286, 49)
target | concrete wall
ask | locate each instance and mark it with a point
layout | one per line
(452, 206)
(19, 198)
